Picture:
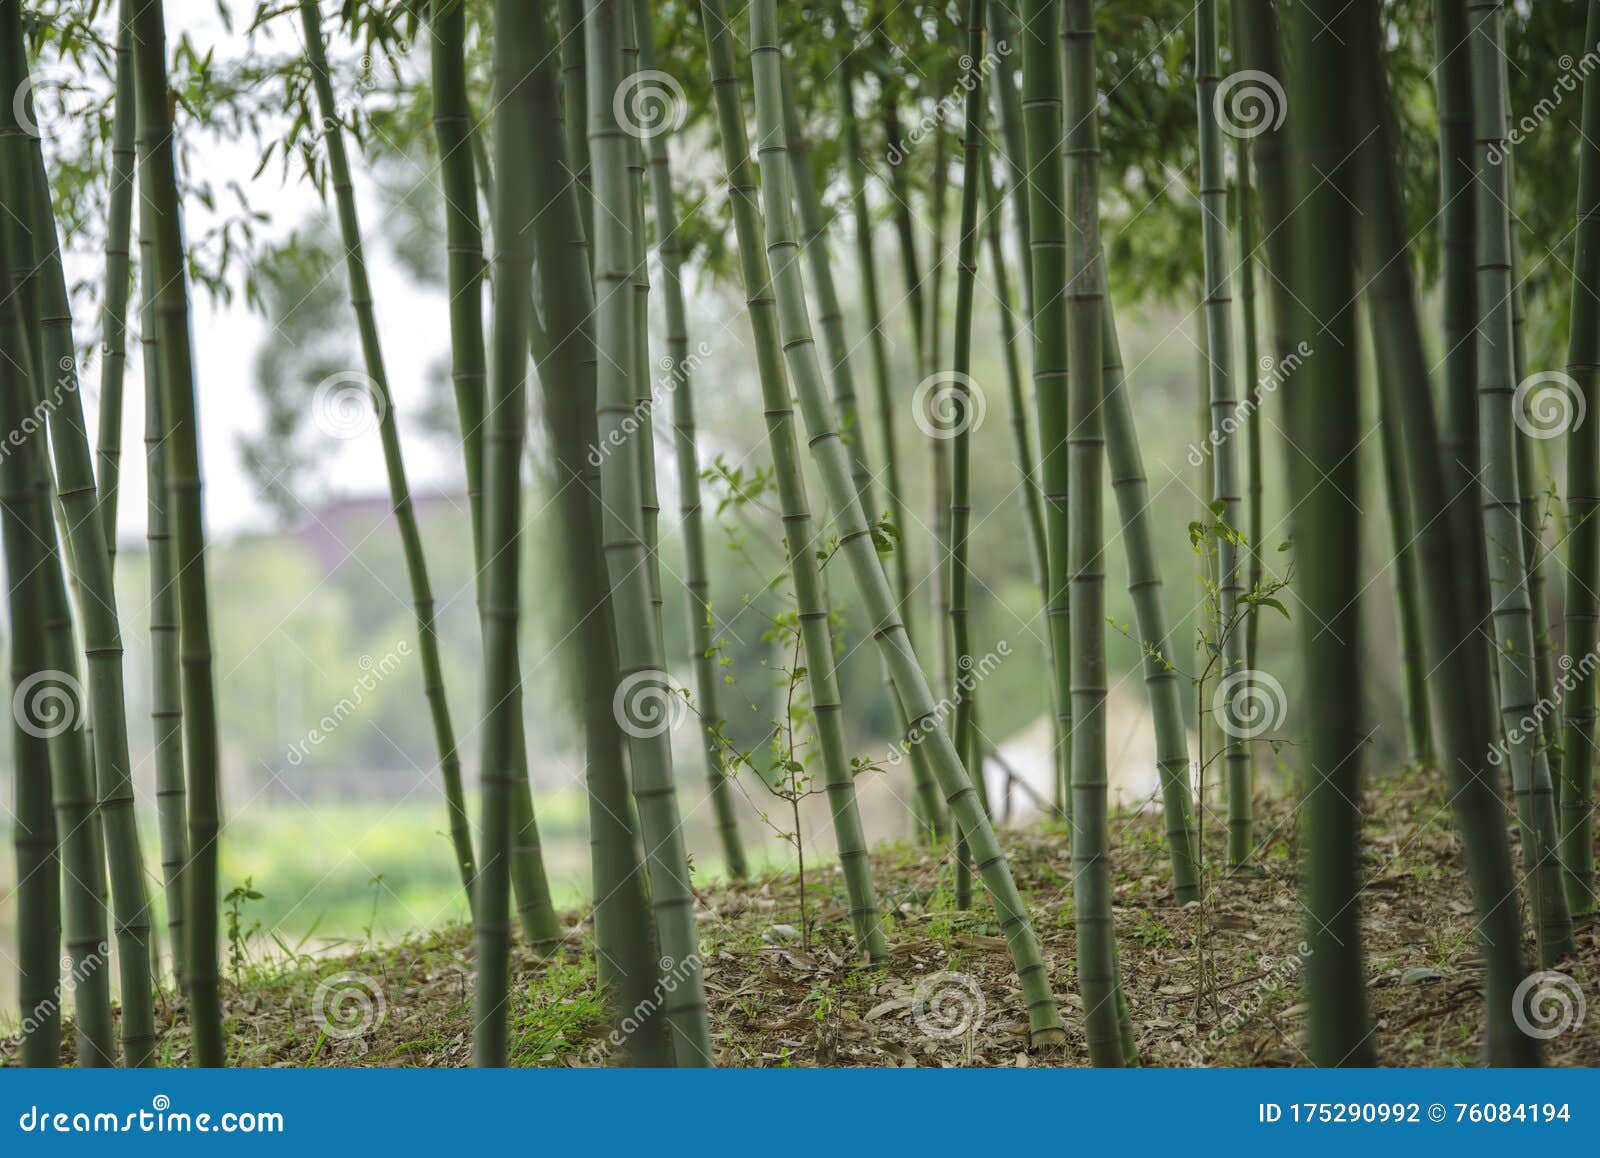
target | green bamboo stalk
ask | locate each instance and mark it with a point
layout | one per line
(1091, 838)
(625, 955)
(1224, 412)
(159, 195)
(114, 309)
(1163, 683)
(1407, 593)
(800, 539)
(1582, 502)
(1013, 136)
(575, 106)
(959, 431)
(930, 813)
(1459, 684)
(679, 369)
(166, 676)
(1323, 473)
(1502, 525)
(422, 600)
(830, 315)
(75, 485)
(1041, 110)
(40, 848)
(505, 407)
(855, 537)
(81, 847)
(642, 661)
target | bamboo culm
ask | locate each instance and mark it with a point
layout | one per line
(679, 369)
(855, 537)
(1582, 502)
(1502, 512)
(75, 486)
(114, 308)
(641, 654)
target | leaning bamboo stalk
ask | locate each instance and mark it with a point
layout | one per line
(1091, 839)
(679, 371)
(114, 308)
(81, 846)
(625, 954)
(422, 600)
(641, 655)
(159, 194)
(930, 812)
(28, 186)
(816, 633)
(1582, 503)
(1224, 404)
(855, 537)
(1460, 686)
(1502, 519)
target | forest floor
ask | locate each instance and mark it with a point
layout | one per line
(947, 995)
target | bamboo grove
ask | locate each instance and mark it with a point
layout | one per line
(602, 162)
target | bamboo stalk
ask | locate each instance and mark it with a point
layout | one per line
(1460, 684)
(114, 309)
(1582, 501)
(75, 485)
(159, 193)
(625, 954)
(1042, 114)
(855, 538)
(642, 661)
(930, 813)
(1502, 525)
(679, 371)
